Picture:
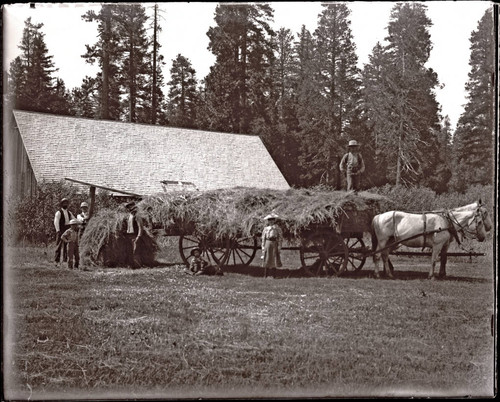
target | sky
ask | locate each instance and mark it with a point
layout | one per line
(184, 28)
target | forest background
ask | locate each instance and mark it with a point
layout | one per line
(302, 93)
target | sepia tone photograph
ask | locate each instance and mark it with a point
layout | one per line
(279, 200)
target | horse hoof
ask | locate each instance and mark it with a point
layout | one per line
(431, 277)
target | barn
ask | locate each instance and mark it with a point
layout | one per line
(134, 159)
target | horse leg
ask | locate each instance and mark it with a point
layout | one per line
(436, 250)
(444, 259)
(391, 267)
(388, 267)
(376, 261)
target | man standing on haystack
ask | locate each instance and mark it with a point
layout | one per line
(61, 224)
(353, 165)
(135, 228)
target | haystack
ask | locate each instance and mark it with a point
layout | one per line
(104, 242)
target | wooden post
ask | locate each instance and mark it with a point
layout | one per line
(92, 201)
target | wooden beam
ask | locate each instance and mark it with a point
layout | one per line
(92, 201)
(103, 187)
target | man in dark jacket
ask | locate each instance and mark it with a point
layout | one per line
(353, 165)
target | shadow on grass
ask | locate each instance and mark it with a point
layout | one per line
(256, 271)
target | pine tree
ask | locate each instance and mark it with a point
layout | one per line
(473, 139)
(135, 68)
(105, 53)
(329, 97)
(183, 95)
(32, 84)
(157, 79)
(279, 134)
(237, 86)
(405, 114)
(85, 98)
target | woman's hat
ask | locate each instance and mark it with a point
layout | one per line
(271, 216)
(84, 204)
(353, 143)
(74, 222)
(195, 249)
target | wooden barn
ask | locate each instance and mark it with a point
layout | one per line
(137, 159)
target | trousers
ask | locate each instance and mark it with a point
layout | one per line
(73, 254)
(353, 182)
(61, 245)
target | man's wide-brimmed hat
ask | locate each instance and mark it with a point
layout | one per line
(271, 216)
(194, 250)
(74, 222)
(353, 143)
(63, 201)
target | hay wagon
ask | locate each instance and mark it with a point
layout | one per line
(324, 249)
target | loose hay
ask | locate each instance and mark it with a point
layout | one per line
(104, 242)
(239, 211)
(235, 212)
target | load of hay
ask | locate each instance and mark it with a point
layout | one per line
(236, 212)
(104, 242)
(240, 211)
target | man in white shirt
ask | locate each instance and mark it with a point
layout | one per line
(61, 224)
(135, 227)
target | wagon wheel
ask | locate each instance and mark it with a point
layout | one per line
(242, 251)
(324, 253)
(357, 253)
(212, 251)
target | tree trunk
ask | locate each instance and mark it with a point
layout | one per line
(153, 91)
(105, 64)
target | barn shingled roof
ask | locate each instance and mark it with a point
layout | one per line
(138, 157)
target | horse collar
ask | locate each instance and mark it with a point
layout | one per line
(451, 227)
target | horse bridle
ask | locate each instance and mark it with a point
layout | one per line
(478, 218)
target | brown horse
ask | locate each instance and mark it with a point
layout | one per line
(436, 229)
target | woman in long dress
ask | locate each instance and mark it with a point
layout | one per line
(272, 238)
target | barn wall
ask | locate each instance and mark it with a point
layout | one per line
(19, 178)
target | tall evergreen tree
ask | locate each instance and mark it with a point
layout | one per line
(182, 94)
(237, 85)
(408, 113)
(473, 139)
(157, 79)
(135, 68)
(280, 134)
(330, 97)
(32, 84)
(105, 52)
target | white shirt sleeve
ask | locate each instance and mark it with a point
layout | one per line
(57, 218)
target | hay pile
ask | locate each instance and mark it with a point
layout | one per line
(104, 242)
(239, 211)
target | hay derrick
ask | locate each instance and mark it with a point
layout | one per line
(104, 242)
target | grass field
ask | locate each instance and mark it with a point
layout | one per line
(160, 333)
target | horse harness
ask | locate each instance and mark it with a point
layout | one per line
(463, 229)
(451, 227)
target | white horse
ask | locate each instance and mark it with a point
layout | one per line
(436, 229)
